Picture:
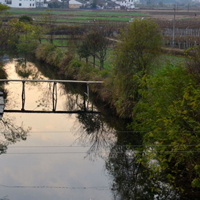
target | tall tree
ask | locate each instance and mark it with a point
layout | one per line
(137, 46)
(28, 41)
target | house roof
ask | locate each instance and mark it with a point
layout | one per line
(74, 2)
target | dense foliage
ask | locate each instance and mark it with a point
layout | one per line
(138, 45)
(168, 116)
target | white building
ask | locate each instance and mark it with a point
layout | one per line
(130, 4)
(21, 3)
(74, 4)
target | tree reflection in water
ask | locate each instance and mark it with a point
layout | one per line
(11, 133)
(94, 132)
(131, 179)
(27, 70)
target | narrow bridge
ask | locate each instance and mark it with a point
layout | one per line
(1, 104)
(54, 95)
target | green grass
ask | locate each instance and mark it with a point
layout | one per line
(112, 14)
(79, 15)
(77, 12)
(187, 18)
(60, 42)
(57, 42)
(164, 60)
(103, 18)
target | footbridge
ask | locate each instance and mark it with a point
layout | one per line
(54, 95)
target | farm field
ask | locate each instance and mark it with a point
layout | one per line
(187, 29)
(69, 16)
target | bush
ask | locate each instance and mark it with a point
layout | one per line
(43, 50)
(168, 116)
(72, 69)
(26, 19)
(50, 54)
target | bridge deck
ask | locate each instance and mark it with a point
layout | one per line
(50, 81)
(1, 105)
(54, 95)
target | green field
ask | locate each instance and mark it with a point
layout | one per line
(88, 16)
(79, 15)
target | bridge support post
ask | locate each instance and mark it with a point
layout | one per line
(54, 97)
(88, 94)
(23, 95)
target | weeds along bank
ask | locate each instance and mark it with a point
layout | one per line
(140, 44)
(69, 67)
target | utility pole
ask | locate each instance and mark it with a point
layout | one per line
(174, 25)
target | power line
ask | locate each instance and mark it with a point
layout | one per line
(57, 187)
(127, 145)
(51, 153)
(115, 131)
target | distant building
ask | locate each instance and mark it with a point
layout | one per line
(130, 4)
(19, 3)
(74, 4)
(24, 3)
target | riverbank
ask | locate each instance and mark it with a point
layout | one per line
(69, 67)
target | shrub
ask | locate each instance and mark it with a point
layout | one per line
(26, 19)
(43, 50)
(72, 69)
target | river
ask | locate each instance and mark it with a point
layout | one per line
(67, 156)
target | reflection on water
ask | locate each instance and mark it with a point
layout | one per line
(27, 70)
(11, 133)
(93, 132)
(131, 178)
(78, 156)
(48, 165)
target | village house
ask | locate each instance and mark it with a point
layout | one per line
(23, 3)
(74, 4)
(130, 4)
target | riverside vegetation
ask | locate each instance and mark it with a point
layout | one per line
(163, 101)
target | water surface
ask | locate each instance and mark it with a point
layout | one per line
(52, 157)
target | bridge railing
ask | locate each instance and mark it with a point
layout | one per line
(54, 94)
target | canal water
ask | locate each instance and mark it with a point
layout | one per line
(49, 156)
(67, 156)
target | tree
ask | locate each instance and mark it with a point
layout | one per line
(3, 8)
(26, 19)
(92, 45)
(84, 51)
(96, 43)
(65, 3)
(137, 47)
(168, 116)
(49, 21)
(9, 33)
(132, 180)
(102, 46)
(161, 4)
(94, 4)
(27, 41)
(193, 61)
